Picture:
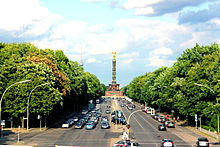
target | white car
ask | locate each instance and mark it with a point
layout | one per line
(75, 118)
(202, 141)
(167, 143)
(84, 112)
(66, 124)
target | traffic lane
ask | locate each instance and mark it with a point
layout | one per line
(187, 135)
(95, 137)
(70, 136)
(149, 134)
(144, 134)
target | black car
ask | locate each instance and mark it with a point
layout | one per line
(133, 106)
(108, 111)
(79, 124)
(162, 127)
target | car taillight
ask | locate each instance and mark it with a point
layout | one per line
(172, 142)
(163, 142)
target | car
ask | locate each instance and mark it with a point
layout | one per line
(90, 125)
(122, 105)
(86, 118)
(71, 121)
(202, 141)
(161, 119)
(123, 143)
(167, 143)
(170, 125)
(156, 116)
(148, 111)
(66, 124)
(162, 127)
(107, 111)
(104, 118)
(130, 107)
(84, 112)
(132, 144)
(133, 106)
(80, 124)
(105, 125)
(75, 118)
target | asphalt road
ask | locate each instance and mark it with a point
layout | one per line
(145, 130)
(68, 136)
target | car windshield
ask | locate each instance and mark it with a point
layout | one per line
(202, 139)
(168, 140)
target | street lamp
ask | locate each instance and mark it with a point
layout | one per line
(29, 102)
(129, 119)
(216, 99)
(4, 94)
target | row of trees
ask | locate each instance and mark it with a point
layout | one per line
(191, 86)
(69, 85)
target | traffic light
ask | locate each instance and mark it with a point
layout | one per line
(128, 126)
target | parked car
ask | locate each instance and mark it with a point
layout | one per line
(161, 119)
(122, 105)
(167, 143)
(66, 124)
(75, 118)
(133, 106)
(170, 125)
(166, 122)
(84, 112)
(202, 141)
(105, 125)
(156, 116)
(162, 127)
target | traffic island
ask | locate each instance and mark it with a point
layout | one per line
(117, 128)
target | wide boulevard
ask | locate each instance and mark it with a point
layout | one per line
(143, 129)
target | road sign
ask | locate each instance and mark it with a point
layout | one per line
(196, 117)
(2, 122)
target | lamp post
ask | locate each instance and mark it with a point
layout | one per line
(216, 99)
(4, 94)
(29, 102)
(129, 120)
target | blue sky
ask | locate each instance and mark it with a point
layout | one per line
(146, 34)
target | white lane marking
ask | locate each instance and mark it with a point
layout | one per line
(147, 122)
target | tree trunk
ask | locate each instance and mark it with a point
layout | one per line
(22, 122)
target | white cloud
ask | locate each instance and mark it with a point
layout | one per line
(139, 3)
(28, 16)
(156, 61)
(72, 29)
(57, 44)
(97, 27)
(93, 1)
(90, 60)
(162, 51)
(144, 11)
(133, 54)
(127, 61)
